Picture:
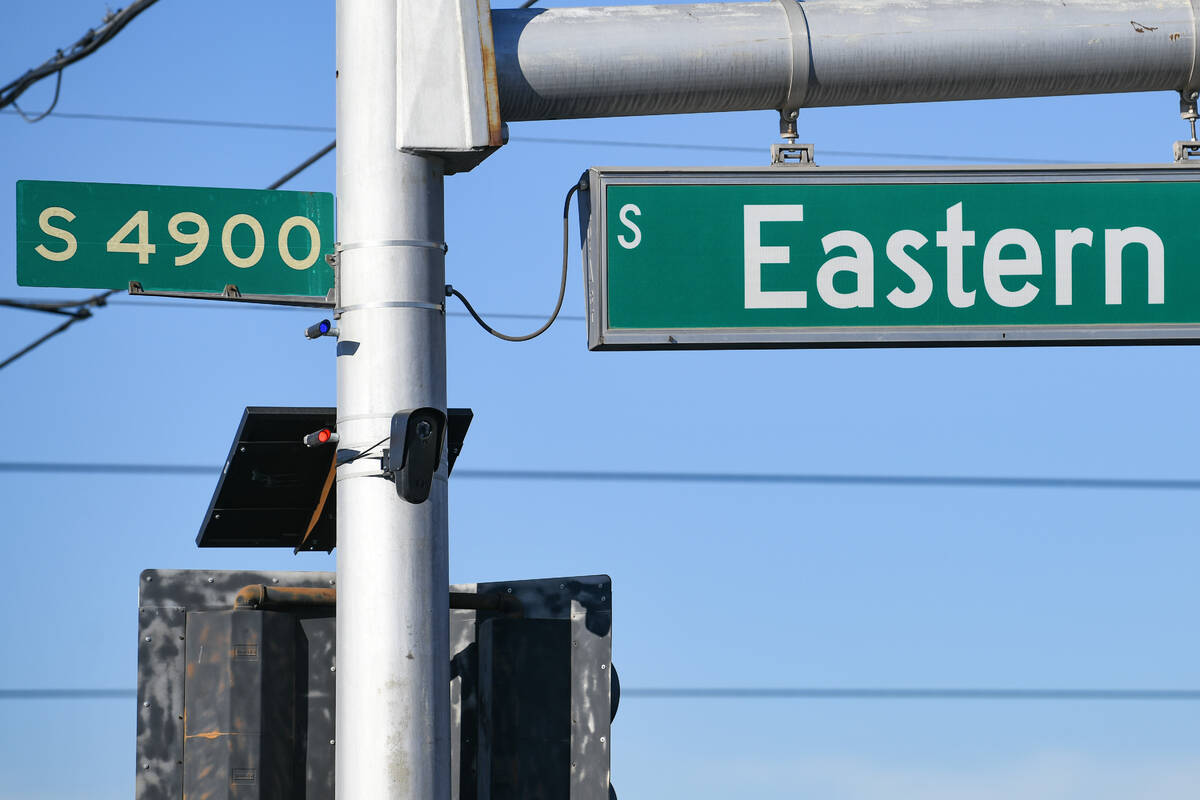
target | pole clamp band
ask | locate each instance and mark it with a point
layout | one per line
(801, 55)
(343, 246)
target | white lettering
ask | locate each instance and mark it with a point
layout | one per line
(757, 255)
(862, 264)
(72, 244)
(1115, 242)
(922, 283)
(954, 239)
(996, 267)
(1064, 254)
(626, 210)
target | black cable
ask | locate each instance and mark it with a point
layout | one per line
(816, 479)
(363, 453)
(81, 313)
(562, 288)
(308, 162)
(86, 45)
(53, 103)
(527, 3)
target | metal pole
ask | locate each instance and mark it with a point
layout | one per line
(393, 739)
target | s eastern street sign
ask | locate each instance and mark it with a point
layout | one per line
(854, 257)
(268, 245)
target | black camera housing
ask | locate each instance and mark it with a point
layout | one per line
(418, 436)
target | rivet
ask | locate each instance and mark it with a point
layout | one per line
(331, 583)
(149, 577)
(602, 740)
(603, 597)
(562, 586)
(509, 590)
(604, 666)
(574, 644)
(210, 580)
(276, 580)
(331, 741)
(146, 704)
(333, 669)
(572, 765)
(241, 449)
(147, 638)
(147, 766)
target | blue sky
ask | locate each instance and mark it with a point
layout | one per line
(714, 585)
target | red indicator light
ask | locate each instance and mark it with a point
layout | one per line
(323, 435)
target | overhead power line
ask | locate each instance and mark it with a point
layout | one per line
(308, 162)
(188, 121)
(627, 476)
(751, 693)
(221, 305)
(556, 140)
(855, 693)
(76, 311)
(90, 42)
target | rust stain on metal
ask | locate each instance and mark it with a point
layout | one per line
(491, 85)
(1140, 28)
(208, 735)
(258, 595)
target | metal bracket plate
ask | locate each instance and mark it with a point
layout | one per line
(792, 155)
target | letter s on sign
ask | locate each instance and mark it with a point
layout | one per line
(69, 238)
(626, 210)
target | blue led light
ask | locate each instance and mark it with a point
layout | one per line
(325, 325)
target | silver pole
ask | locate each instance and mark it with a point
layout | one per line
(393, 715)
(557, 63)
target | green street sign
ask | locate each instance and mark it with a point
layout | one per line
(818, 257)
(266, 245)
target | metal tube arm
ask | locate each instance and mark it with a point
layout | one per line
(598, 62)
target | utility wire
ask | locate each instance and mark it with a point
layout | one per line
(694, 146)
(308, 162)
(87, 44)
(222, 306)
(82, 311)
(619, 476)
(748, 693)
(202, 123)
(823, 693)
(562, 288)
